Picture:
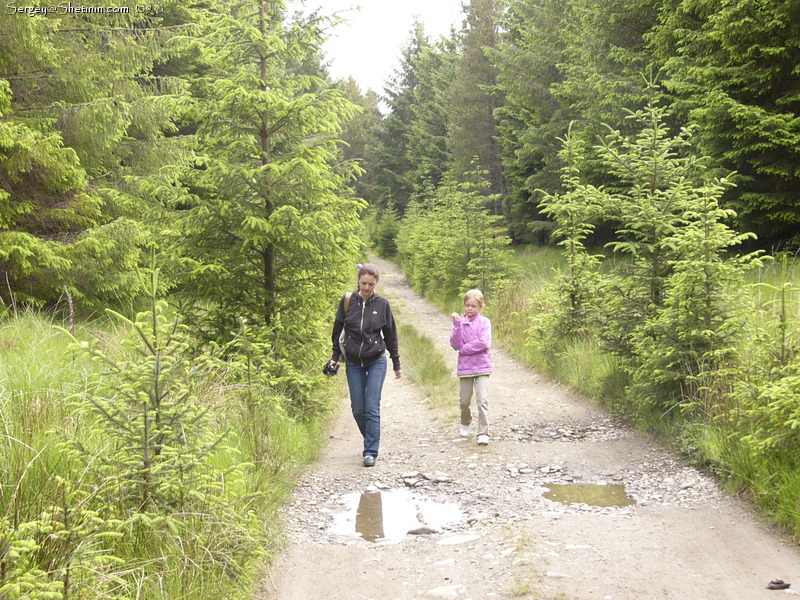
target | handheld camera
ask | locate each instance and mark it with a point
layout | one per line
(331, 368)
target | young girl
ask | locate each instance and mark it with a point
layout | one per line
(472, 337)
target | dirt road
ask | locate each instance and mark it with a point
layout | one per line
(510, 520)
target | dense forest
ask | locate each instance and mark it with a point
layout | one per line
(190, 172)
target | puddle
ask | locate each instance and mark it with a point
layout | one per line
(591, 494)
(388, 516)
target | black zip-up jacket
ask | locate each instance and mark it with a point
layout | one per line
(370, 330)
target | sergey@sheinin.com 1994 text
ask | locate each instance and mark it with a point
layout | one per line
(68, 8)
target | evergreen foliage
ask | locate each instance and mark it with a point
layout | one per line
(775, 417)
(148, 453)
(62, 554)
(561, 62)
(391, 166)
(604, 55)
(655, 183)
(674, 312)
(358, 135)
(274, 214)
(472, 98)
(452, 243)
(383, 225)
(531, 118)
(40, 181)
(85, 109)
(732, 67)
(427, 138)
(694, 339)
(148, 418)
(577, 290)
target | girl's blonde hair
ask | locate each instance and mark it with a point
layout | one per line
(476, 295)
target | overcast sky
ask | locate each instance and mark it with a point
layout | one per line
(368, 46)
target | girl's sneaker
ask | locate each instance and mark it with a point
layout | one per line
(483, 440)
(464, 431)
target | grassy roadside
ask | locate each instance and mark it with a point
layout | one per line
(422, 362)
(426, 367)
(740, 431)
(211, 545)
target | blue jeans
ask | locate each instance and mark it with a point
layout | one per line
(365, 385)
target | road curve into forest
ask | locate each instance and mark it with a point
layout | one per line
(564, 503)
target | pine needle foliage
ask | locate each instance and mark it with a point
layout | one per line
(451, 243)
(274, 227)
(147, 414)
(674, 313)
(575, 211)
(655, 176)
(695, 339)
(151, 455)
(83, 109)
(731, 67)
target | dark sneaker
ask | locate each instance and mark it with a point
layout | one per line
(778, 584)
(369, 461)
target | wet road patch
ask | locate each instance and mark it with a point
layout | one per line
(588, 493)
(391, 515)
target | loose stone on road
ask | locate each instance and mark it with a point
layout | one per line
(565, 503)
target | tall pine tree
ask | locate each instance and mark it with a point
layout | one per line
(732, 66)
(473, 98)
(272, 223)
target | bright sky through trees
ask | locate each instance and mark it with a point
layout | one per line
(368, 45)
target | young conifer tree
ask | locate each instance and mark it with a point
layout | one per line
(575, 212)
(674, 311)
(451, 242)
(86, 113)
(272, 225)
(655, 175)
(697, 335)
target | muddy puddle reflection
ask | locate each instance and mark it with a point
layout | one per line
(389, 516)
(591, 494)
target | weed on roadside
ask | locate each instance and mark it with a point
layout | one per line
(426, 367)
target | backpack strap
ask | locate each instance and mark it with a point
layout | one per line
(347, 301)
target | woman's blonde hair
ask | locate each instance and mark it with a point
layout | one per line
(476, 295)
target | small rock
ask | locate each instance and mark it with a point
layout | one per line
(472, 519)
(424, 530)
(554, 575)
(446, 592)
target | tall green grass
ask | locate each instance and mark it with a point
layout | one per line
(425, 366)
(206, 555)
(511, 309)
(37, 376)
(714, 434)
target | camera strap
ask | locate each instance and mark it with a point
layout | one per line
(342, 335)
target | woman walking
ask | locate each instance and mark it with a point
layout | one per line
(369, 330)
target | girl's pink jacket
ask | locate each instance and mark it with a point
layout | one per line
(473, 340)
